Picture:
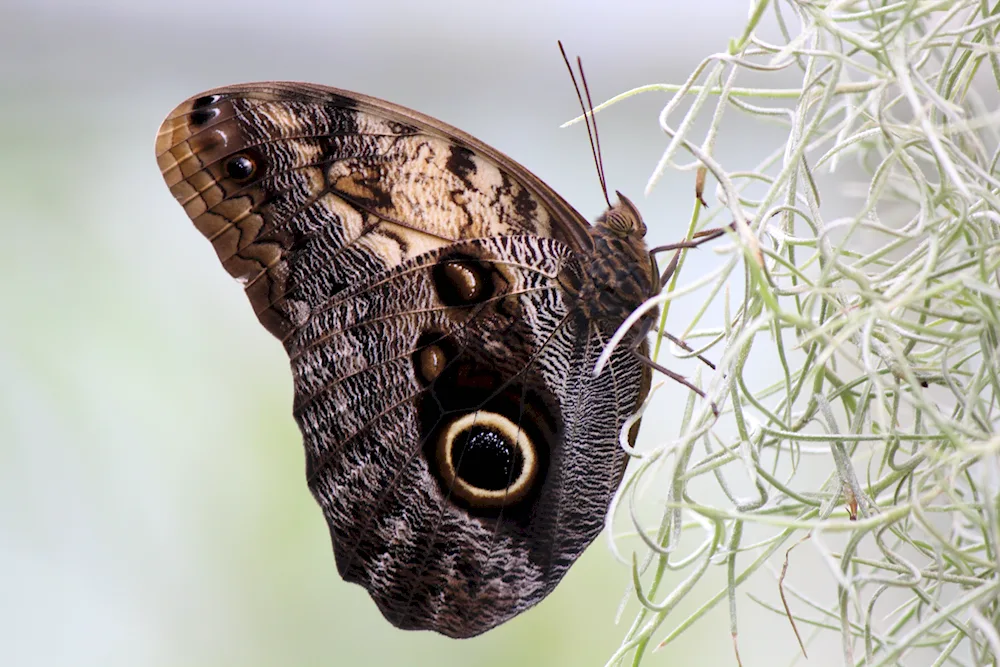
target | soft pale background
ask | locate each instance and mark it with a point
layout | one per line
(152, 503)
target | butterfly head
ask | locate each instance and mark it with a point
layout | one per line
(623, 219)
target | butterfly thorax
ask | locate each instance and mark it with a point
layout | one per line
(616, 276)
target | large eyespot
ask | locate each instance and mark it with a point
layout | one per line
(240, 168)
(486, 460)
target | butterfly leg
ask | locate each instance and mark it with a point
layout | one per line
(687, 348)
(676, 377)
(668, 272)
(701, 237)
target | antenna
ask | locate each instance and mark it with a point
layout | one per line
(588, 118)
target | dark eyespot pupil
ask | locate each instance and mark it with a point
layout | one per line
(240, 167)
(202, 116)
(486, 460)
(204, 101)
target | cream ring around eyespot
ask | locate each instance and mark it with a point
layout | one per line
(512, 435)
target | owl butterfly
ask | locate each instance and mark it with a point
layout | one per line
(443, 310)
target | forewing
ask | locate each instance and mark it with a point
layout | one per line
(303, 190)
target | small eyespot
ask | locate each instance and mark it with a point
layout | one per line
(240, 168)
(432, 353)
(432, 362)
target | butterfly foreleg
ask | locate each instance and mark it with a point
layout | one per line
(700, 237)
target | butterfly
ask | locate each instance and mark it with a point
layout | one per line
(442, 309)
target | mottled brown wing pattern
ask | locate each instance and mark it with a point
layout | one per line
(428, 292)
(270, 170)
(428, 557)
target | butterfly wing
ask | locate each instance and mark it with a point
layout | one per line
(276, 170)
(460, 449)
(394, 399)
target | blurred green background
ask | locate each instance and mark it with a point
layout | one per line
(153, 509)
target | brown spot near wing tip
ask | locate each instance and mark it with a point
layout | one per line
(205, 101)
(191, 118)
(276, 323)
(201, 117)
(212, 225)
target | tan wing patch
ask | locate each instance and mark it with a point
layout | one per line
(435, 187)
